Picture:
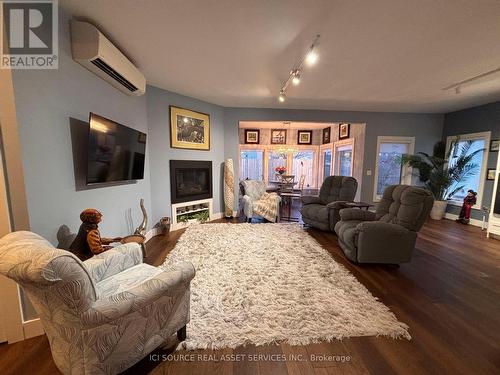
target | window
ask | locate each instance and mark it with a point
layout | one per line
(260, 164)
(327, 163)
(475, 181)
(303, 164)
(344, 157)
(345, 162)
(388, 168)
(275, 159)
(251, 165)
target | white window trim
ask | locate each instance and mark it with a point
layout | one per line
(406, 178)
(321, 174)
(484, 165)
(316, 172)
(253, 148)
(267, 149)
(342, 143)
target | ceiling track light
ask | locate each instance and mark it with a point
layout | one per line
(282, 96)
(294, 77)
(470, 81)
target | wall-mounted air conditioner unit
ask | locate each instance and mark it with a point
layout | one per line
(95, 52)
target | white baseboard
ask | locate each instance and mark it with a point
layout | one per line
(475, 222)
(217, 215)
(156, 231)
(220, 215)
(151, 233)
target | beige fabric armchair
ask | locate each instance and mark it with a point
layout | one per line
(102, 315)
(254, 191)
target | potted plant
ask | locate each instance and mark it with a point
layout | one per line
(280, 170)
(442, 172)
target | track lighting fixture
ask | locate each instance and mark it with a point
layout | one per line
(480, 78)
(309, 59)
(282, 97)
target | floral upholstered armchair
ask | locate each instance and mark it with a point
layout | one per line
(103, 315)
(257, 202)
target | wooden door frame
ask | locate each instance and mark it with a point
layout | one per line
(15, 327)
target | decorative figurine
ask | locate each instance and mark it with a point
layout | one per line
(164, 224)
(141, 229)
(88, 241)
(469, 201)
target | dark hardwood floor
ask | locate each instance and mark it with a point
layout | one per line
(449, 295)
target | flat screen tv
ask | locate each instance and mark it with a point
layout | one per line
(115, 152)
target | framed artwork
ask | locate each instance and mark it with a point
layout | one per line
(490, 174)
(189, 129)
(142, 138)
(326, 135)
(304, 137)
(252, 136)
(278, 136)
(494, 145)
(344, 131)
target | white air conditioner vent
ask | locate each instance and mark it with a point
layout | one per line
(95, 52)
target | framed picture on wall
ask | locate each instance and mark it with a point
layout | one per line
(278, 136)
(490, 174)
(344, 131)
(141, 138)
(326, 135)
(304, 137)
(189, 129)
(252, 136)
(494, 145)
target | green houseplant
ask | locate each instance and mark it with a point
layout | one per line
(442, 172)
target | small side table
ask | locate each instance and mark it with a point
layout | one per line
(359, 205)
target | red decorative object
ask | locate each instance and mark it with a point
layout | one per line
(469, 201)
(280, 170)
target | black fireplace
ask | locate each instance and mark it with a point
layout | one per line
(190, 180)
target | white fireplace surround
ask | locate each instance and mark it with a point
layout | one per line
(185, 207)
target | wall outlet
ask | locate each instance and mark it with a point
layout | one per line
(368, 172)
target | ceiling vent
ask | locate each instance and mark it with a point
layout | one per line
(95, 52)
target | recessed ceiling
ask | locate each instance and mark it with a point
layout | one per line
(385, 55)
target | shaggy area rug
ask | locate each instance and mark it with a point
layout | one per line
(264, 283)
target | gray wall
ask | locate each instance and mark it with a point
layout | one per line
(426, 128)
(158, 102)
(474, 120)
(45, 101)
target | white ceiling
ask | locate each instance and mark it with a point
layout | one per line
(384, 55)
